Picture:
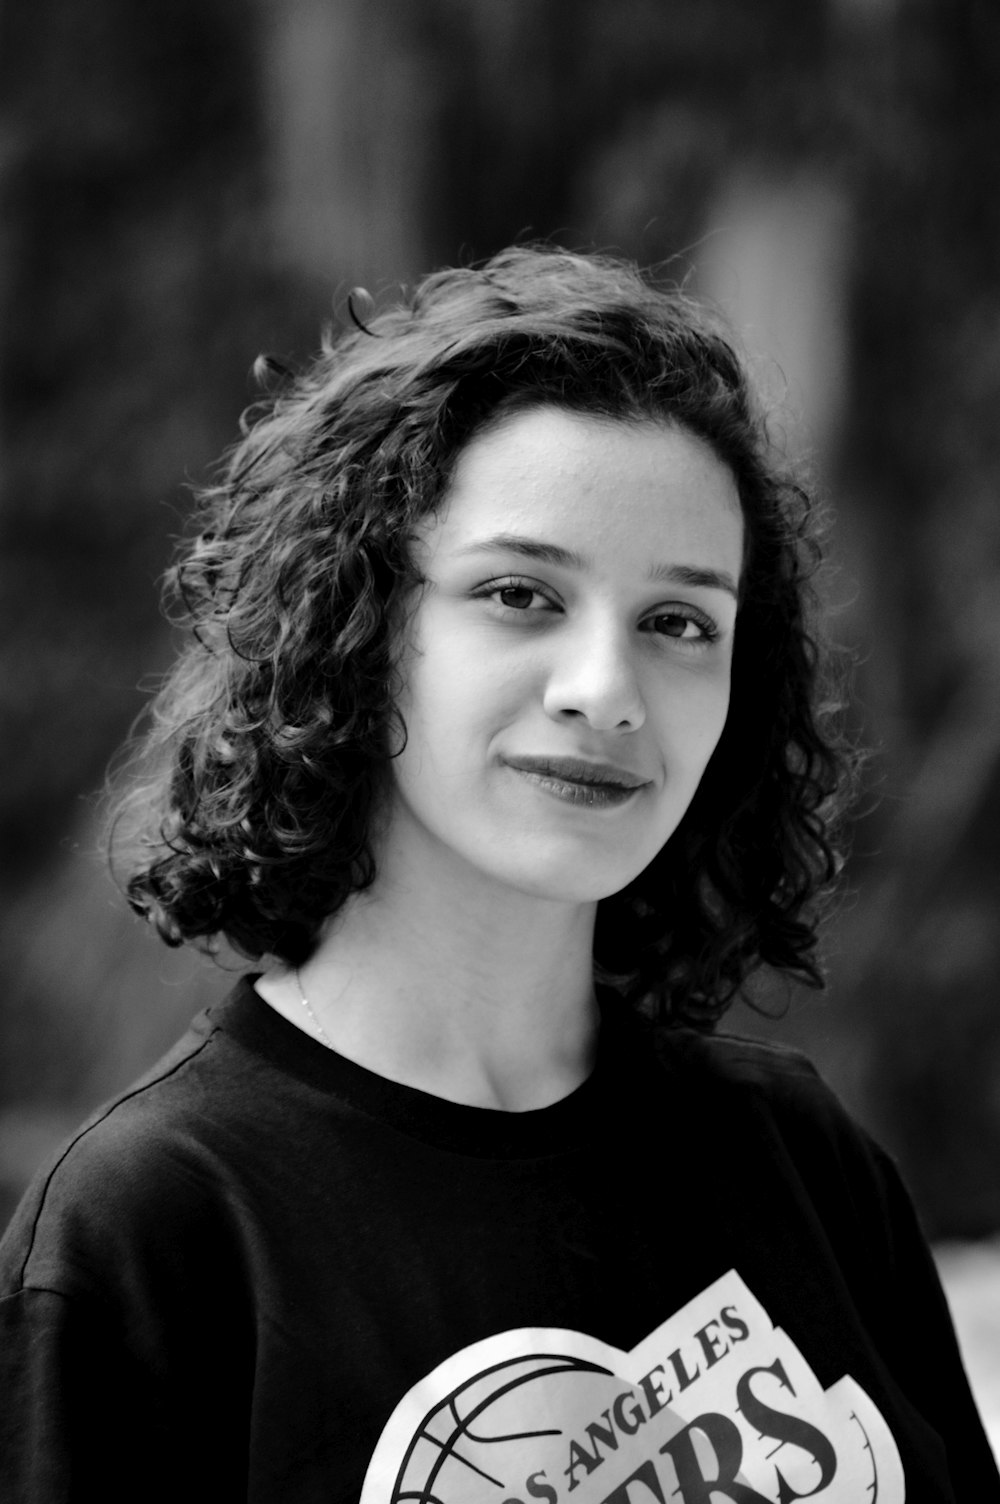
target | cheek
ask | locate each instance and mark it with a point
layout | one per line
(464, 685)
(717, 711)
(692, 716)
(450, 710)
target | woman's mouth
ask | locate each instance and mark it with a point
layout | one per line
(573, 780)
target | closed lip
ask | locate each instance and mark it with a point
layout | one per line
(578, 770)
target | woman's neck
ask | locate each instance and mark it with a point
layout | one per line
(475, 996)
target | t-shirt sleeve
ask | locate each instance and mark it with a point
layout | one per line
(76, 1411)
(832, 1166)
(864, 1204)
(919, 1327)
(124, 1356)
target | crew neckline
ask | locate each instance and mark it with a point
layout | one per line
(477, 1131)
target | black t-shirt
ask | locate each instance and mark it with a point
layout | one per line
(266, 1273)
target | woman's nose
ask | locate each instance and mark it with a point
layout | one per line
(594, 677)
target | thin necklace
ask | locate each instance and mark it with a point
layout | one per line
(324, 1036)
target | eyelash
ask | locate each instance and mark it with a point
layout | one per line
(495, 588)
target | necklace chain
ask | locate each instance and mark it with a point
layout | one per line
(324, 1036)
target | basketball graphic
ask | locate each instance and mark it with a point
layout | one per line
(471, 1445)
(716, 1403)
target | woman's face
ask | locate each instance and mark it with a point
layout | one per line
(566, 669)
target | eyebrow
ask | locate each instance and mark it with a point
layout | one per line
(566, 558)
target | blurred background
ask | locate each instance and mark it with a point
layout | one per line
(185, 185)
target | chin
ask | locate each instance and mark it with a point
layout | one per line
(583, 881)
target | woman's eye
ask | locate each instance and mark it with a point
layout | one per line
(683, 628)
(517, 597)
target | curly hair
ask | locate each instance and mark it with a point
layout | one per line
(273, 737)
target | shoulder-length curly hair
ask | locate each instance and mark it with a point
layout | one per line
(274, 735)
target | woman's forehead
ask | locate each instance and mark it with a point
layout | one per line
(584, 482)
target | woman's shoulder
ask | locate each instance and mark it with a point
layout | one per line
(739, 1060)
(146, 1159)
(739, 1079)
(766, 1108)
(740, 1055)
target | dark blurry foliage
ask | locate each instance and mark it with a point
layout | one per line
(170, 179)
(550, 90)
(130, 193)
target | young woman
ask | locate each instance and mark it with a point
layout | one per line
(496, 747)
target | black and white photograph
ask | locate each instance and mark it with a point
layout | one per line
(500, 873)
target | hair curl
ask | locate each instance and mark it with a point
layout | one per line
(272, 739)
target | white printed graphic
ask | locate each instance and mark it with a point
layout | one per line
(716, 1405)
